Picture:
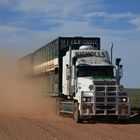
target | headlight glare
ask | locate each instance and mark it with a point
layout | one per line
(84, 99)
(124, 99)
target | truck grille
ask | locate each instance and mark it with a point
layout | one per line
(102, 99)
(100, 88)
(105, 99)
(111, 88)
(113, 82)
(105, 107)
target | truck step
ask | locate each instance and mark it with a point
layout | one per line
(68, 112)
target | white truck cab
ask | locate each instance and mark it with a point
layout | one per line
(88, 81)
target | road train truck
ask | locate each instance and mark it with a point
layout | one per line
(91, 85)
(81, 76)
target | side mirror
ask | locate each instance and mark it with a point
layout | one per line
(118, 60)
(120, 71)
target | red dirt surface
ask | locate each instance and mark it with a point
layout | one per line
(20, 127)
(25, 115)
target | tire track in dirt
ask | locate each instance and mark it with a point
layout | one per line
(108, 131)
(45, 130)
(92, 130)
(61, 130)
(21, 127)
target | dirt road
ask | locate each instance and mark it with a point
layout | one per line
(24, 115)
(20, 127)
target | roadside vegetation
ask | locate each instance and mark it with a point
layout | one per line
(134, 99)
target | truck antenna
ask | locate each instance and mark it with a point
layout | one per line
(111, 47)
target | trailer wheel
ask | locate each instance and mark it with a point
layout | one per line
(77, 114)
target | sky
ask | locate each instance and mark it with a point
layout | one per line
(26, 25)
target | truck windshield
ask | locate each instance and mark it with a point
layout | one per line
(85, 71)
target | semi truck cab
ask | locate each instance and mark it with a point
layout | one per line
(90, 84)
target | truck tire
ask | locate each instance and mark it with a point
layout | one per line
(123, 121)
(77, 114)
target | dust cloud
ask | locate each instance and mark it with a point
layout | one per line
(20, 96)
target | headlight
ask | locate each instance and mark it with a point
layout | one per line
(86, 99)
(123, 99)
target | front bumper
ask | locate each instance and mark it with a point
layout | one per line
(92, 110)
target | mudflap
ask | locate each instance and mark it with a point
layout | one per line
(76, 114)
(57, 107)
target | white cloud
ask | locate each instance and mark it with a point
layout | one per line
(129, 17)
(110, 15)
(56, 7)
(136, 21)
(5, 29)
(4, 2)
(46, 6)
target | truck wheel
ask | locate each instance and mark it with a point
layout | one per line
(123, 121)
(77, 114)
